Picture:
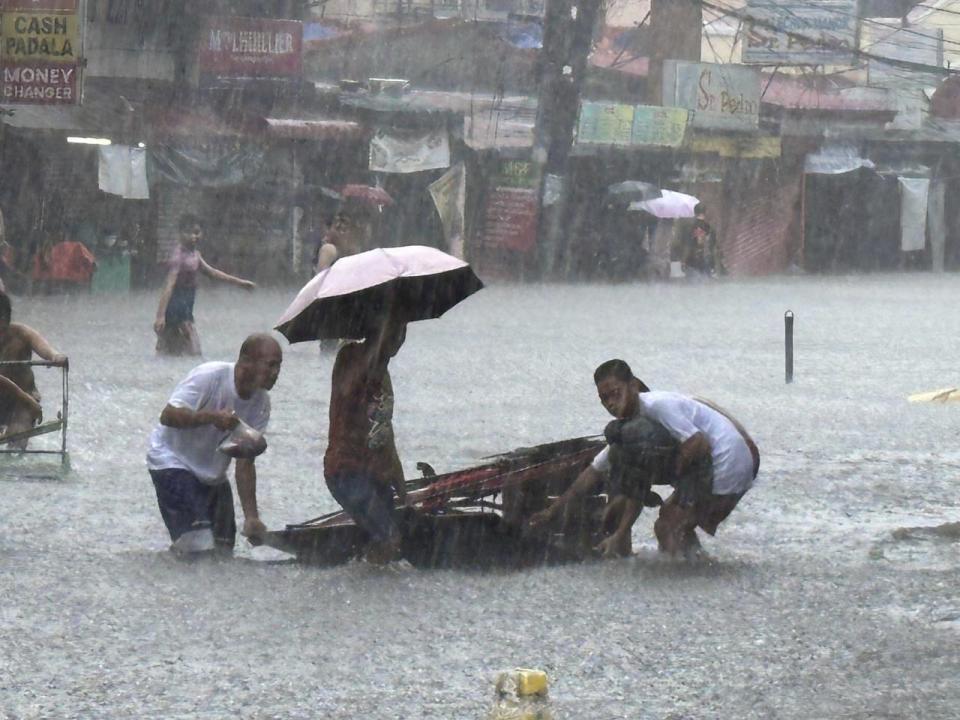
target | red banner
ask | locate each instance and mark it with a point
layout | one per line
(235, 47)
(510, 220)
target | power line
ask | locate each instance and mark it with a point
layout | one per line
(871, 21)
(856, 52)
(868, 20)
(939, 10)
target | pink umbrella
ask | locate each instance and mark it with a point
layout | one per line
(349, 299)
(366, 193)
(670, 205)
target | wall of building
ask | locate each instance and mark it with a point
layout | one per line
(128, 40)
(941, 15)
(760, 227)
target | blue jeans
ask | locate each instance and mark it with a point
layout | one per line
(368, 502)
(188, 504)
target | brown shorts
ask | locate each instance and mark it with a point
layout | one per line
(707, 512)
(714, 509)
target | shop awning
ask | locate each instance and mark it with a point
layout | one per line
(835, 160)
(101, 114)
(315, 129)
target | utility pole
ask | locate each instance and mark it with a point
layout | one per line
(561, 70)
(676, 28)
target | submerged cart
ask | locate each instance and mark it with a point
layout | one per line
(474, 518)
(52, 426)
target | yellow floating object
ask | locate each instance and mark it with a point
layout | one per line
(521, 694)
(944, 395)
(531, 682)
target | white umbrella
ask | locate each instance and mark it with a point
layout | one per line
(349, 298)
(670, 205)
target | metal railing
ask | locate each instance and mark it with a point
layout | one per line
(44, 428)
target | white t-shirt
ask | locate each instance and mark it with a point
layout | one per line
(683, 417)
(208, 387)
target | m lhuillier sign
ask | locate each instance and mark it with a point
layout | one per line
(40, 52)
(235, 47)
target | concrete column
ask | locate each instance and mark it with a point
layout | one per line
(936, 224)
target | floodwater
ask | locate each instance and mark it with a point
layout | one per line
(810, 607)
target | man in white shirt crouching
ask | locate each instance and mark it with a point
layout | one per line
(189, 472)
(716, 462)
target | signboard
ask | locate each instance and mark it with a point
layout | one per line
(510, 216)
(605, 124)
(751, 147)
(663, 126)
(914, 44)
(722, 97)
(449, 193)
(610, 124)
(237, 47)
(397, 151)
(800, 32)
(40, 52)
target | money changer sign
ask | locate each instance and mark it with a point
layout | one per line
(40, 52)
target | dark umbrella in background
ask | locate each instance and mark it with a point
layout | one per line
(630, 191)
(366, 194)
(351, 298)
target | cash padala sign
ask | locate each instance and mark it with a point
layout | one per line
(40, 51)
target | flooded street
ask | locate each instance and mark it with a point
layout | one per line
(810, 607)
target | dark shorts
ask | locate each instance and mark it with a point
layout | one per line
(368, 502)
(180, 305)
(188, 504)
(712, 510)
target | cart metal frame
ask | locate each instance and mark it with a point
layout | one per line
(58, 425)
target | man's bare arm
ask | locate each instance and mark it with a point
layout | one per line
(220, 275)
(42, 348)
(586, 480)
(610, 547)
(246, 474)
(165, 294)
(13, 392)
(326, 257)
(692, 450)
(185, 418)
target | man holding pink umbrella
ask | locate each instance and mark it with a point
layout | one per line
(361, 465)
(372, 295)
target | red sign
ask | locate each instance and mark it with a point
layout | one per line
(235, 47)
(511, 219)
(39, 5)
(40, 84)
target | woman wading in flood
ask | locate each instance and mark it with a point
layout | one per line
(176, 332)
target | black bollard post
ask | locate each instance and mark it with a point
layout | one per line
(788, 342)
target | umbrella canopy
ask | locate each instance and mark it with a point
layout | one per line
(366, 193)
(670, 205)
(350, 298)
(633, 191)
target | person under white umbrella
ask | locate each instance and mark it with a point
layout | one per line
(372, 295)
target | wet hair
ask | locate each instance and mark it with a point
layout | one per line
(188, 221)
(5, 309)
(254, 343)
(618, 370)
(700, 209)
